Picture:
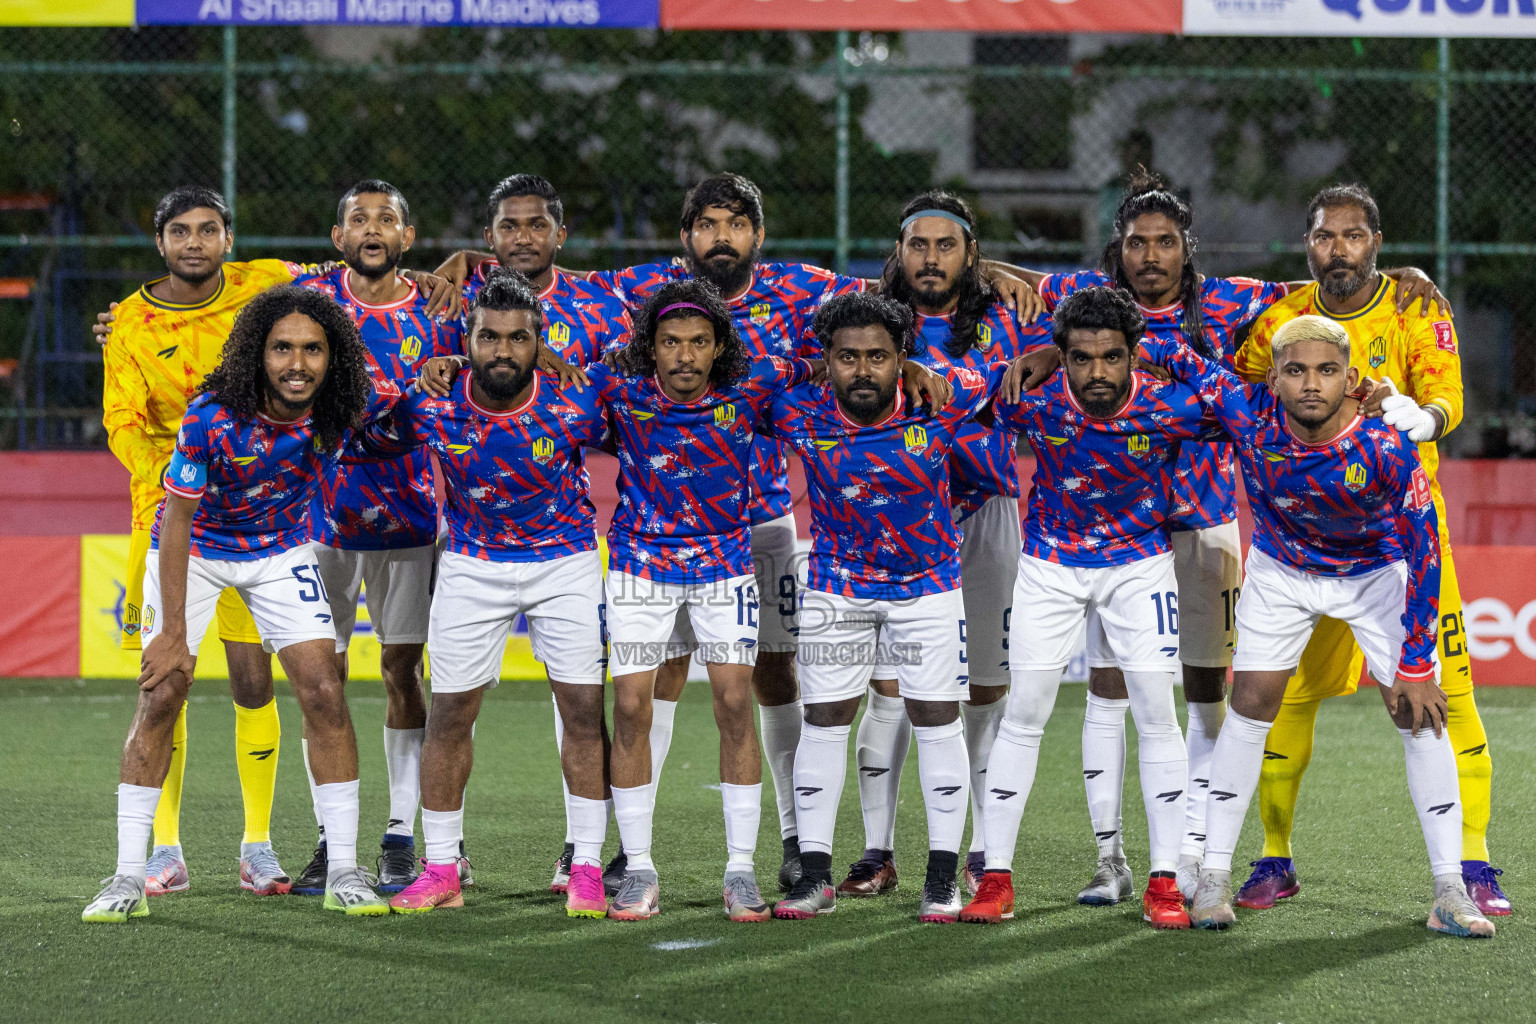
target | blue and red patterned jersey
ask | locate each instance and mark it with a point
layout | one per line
(774, 318)
(255, 478)
(982, 463)
(1345, 507)
(516, 480)
(683, 483)
(1100, 494)
(384, 505)
(881, 525)
(1204, 488)
(581, 320)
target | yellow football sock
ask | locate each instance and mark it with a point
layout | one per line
(168, 810)
(1287, 752)
(1474, 769)
(258, 733)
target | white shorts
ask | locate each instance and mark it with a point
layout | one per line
(780, 571)
(989, 565)
(396, 586)
(917, 641)
(650, 622)
(284, 593)
(1136, 603)
(478, 602)
(1280, 607)
(1208, 565)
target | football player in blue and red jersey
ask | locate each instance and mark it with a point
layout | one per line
(1095, 541)
(520, 542)
(883, 582)
(1344, 526)
(252, 451)
(375, 523)
(937, 270)
(1152, 255)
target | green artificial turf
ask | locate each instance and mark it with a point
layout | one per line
(1351, 947)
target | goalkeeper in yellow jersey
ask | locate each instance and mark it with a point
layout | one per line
(166, 338)
(1420, 355)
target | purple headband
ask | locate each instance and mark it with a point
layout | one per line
(683, 305)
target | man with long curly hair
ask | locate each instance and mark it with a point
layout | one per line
(269, 423)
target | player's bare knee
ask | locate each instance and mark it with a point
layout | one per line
(773, 678)
(983, 695)
(1108, 683)
(886, 687)
(672, 678)
(832, 713)
(926, 713)
(1204, 685)
(160, 706)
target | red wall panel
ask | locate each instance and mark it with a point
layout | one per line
(40, 616)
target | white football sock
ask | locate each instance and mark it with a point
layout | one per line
(881, 746)
(443, 832)
(821, 767)
(780, 727)
(743, 807)
(314, 790)
(588, 823)
(1162, 760)
(981, 721)
(402, 760)
(1015, 757)
(339, 806)
(1235, 767)
(945, 772)
(135, 821)
(564, 789)
(632, 810)
(1204, 726)
(1436, 793)
(1104, 770)
(663, 712)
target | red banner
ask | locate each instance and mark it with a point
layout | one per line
(1498, 594)
(1157, 16)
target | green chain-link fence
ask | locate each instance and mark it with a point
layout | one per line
(838, 129)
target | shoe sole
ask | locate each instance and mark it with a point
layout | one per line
(863, 895)
(393, 888)
(1098, 901)
(800, 915)
(364, 910)
(139, 911)
(751, 917)
(1448, 926)
(594, 912)
(1168, 926)
(272, 889)
(976, 917)
(306, 890)
(630, 915)
(556, 888)
(1283, 894)
(456, 900)
(1209, 925)
(184, 886)
(939, 918)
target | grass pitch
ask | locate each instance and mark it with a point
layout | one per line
(1351, 947)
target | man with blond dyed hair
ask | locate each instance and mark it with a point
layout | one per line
(1344, 527)
(1421, 355)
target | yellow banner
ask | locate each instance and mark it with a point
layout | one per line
(103, 560)
(66, 12)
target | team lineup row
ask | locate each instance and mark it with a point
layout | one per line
(299, 473)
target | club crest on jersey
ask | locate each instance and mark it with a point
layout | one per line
(1354, 477)
(916, 439)
(410, 349)
(984, 335)
(1378, 351)
(1138, 445)
(725, 415)
(760, 312)
(543, 450)
(559, 334)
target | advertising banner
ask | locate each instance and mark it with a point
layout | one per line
(412, 13)
(36, 13)
(1160, 16)
(1476, 18)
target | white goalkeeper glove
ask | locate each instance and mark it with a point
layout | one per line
(1409, 416)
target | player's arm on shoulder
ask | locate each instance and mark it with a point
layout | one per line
(101, 330)
(923, 387)
(1229, 403)
(567, 375)
(1253, 358)
(1413, 285)
(125, 415)
(399, 430)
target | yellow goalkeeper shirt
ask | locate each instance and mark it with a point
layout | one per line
(1419, 353)
(156, 357)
